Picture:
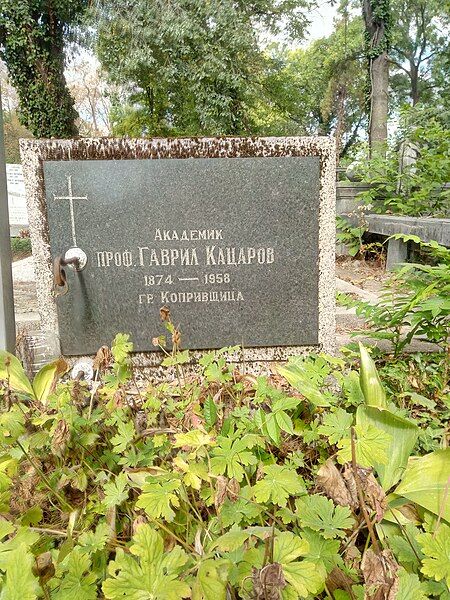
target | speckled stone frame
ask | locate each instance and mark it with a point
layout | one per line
(34, 152)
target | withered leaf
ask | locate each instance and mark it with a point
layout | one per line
(332, 483)
(102, 359)
(374, 495)
(338, 580)
(380, 575)
(268, 582)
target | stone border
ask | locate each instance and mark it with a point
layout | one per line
(34, 152)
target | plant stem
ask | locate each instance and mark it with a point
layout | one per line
(361, 495)
(44, 478)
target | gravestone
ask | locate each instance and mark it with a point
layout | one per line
(18, 218)
(234, 235)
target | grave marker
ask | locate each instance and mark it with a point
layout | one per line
(234, 235)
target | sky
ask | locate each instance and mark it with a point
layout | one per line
(321, 22)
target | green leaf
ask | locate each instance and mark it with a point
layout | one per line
(352, 389)
(20, 583)
(336, 425)
(6, 528)
(407, 549)
(305, 577)
(121, 347)
(370, 381)
(212, 579)
(410, 587)
(403, 436)
(236, 537)
(196, 438)
(11, 370)
(299, 378)
(287, 547)
(278, 484)
(322, 551)
(78, 583)
(230, 457)
(116, 491)
(126, 434)
(436, 548)
(158, 498)
(24, 537)
(210, 411)
(284, 422)
(425, 482)
(320, 514)
(32, 516)
(371, 446)
(272, 427)
(45, 380)
(93, 541)
(148, 573)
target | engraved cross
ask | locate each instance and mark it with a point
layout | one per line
(70, 197)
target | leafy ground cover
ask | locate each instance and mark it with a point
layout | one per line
(319, 481)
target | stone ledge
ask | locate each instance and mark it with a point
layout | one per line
(427, 228)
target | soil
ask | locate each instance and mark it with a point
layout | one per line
(368, 275)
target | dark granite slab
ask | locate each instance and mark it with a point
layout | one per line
(230, 245)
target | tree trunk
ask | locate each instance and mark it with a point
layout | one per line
(376, 20)
(379, 76)
(414, 77)
(33, 50)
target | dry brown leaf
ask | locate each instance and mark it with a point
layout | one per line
(226, 489)
(233, 489)
(60, 438)
(374, 495)
(221, 491)
(352, 556)
(268, 582)
(198, 546)
(332, 483)
(44, 567)
(138, 522)
(102, 359)
(164, 313)
(380, 575)
(338, 580)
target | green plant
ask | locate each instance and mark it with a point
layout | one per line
(145, 490)
(420, 188)
(414, 303)
(350, 236)
(21, 246)
(32, 46)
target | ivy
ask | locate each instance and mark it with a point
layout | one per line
(32, 34)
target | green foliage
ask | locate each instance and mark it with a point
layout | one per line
(32, 46)
(317, 90)
(418, 189)
(320, 514)
(160, 499)
(278, 484)
(148, 572)
(14, 131)
(350, 236)
(419, 52)
(190, 67)
(436, 549)
(415, 302)
(20, 246)
(378, 20)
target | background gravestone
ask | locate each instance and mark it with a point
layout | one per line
(235, 236)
